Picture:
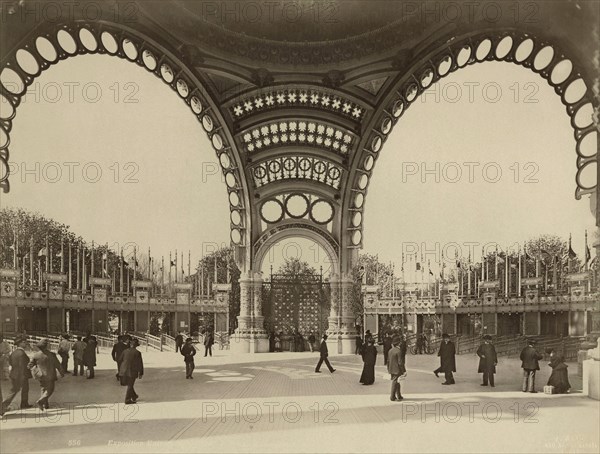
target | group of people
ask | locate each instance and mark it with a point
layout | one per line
(130, 365)
(209, 341)
(297, 341)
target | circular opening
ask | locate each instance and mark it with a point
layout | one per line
(369, 161)
(3, 170)
(588, 145)
(358, 200)
(234, 199)
(230, 180)
(584, 116)
(575, 91)
(587, 175)
(207, 123)
(12, 81)
(561, 72)
(149, 60)
(88, 39)
(236, 218)
(426, 78)
(543, 58)
(182, 88)
(167, 73)
(66, 41)
(398, 108)
(27, 62)
(236, 236)
(376, 144)
(130, 49)
(483, 50)
(356, 237)
(463, 56)
(504, 47)
(225, 161)
(196, 105)
(445, 65)
(7, 110)
(217, 141)
(271, 211)
(109, 43)
(411, 93)
(3, 138)
(386, 125)
(296, 205)
(321, 211)
(524, 50)
(46, 49)
(357, 219)
(363, 181)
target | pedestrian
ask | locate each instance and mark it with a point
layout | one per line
(117, 349)
(19, 375)
(78, 351)
(419, 348)
(396, 367)
(530, 364)
(278, 341)
(358, 344)
(209, 340)
(487, 360)
(387, 345)
(89, 356)
(47, 365)
(369, 356)
(559, 378)
(324, 353)
(311, 341)
(188, 351)
(4, 354)
(132, 368)
(63, 351)
(447, 354)
(178, 342)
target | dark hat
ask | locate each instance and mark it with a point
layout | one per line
(531, 341)
(325, 336)
(445, 336)
(395, 340)
(43, 344)
(20, 339)
(189, 339)
(487, 337)
(135, 342)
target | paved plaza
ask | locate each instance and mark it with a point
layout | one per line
(276, 403)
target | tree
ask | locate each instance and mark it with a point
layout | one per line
(154, 328)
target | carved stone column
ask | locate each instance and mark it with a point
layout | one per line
(258, 318)
(334, 290)
(245, 317)
(348, 318)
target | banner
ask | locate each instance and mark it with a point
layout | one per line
(531, 281)
(575, 277)
(55, 277)
(141, 284)
(183, 286)
(489, 284)
(100, 281)
(9, 272)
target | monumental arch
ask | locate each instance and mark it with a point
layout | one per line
(298, 100)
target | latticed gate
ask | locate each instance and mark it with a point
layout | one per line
(296, 302)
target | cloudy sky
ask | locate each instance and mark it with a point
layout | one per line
(486, 156)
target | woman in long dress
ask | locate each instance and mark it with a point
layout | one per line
(369, 356)
(560, 376)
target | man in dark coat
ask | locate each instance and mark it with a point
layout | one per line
(89, 355)
(447, 354)
(396, 367)
(19, 375)
(47, 364)
(323, 357)
(559, 377)
(188, 351)
(387, 345)
(117, 349)
(369, 356)
(487, 360)
(529, 363)
(178, 342)
(132, 368)
(359, 345)
(209, 340)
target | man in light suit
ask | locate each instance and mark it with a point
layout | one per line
(396, 368)
(19, 375)
(324, 354)
(132, 367)
(48, 364)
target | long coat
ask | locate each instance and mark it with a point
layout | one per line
(131, 363)
(487, 358)
(18, 362)
(529, 358)
(447, 358)
(47, 363)
(323, 350)
(559, 377)
(89, 354)
(396, 365)
(369, 356)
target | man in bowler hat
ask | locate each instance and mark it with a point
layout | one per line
(487, 360)
(19, 375)
(447, 354)
(529, 363)
(324, 354)
(396, 367)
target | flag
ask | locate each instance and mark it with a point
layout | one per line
(588, 254)
(105, 256)
(430, 272)
(418, 266)
(594, 263)
(571, 253)
(457, 264)
(500, 259)
(43, 252)
(173, 262)
(543, 251)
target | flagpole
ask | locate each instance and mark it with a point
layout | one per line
(70, 268)
(78, 273)
(92, 263)
(520, 271)
(506, 273)
(189, 264)
(149, 264)
(176, 274)
(182, 272)
(162, 270)
(31, 276)
(202, 279)
(170, 266)
(121, 264)
(62, 253)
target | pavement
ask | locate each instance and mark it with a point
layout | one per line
(274, 402)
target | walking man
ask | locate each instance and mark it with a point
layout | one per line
(132, 368)
(19, 375)
(188, 351)
(447, 354)
(209, 340)
(178, 342)
(117, 350)
(78, 350)
(487, 360)
(63, 351)
(89, 355)
(47, 364)
(529, 363)
(324, 354)
(387, 345)
(396, 368)
(4, 354)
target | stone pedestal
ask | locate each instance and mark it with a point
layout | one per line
(591, 373)
(342, 329)
(250, 336)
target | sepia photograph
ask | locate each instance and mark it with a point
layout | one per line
(299, 226)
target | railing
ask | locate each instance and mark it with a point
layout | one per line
(168, 342)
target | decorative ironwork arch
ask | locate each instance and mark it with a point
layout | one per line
(19, 70)
(542, 57)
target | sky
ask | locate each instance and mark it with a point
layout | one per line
(107, 148)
